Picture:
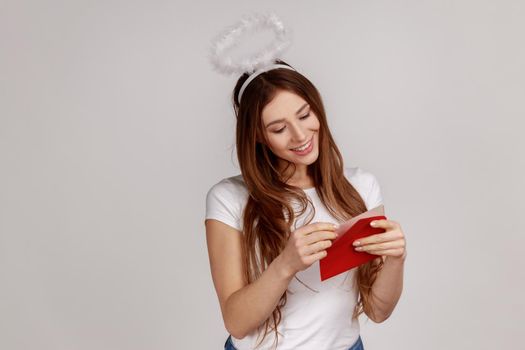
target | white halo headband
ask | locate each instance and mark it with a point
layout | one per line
(252, 63)
(256, 73)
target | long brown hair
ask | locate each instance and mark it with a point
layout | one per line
(268, 215)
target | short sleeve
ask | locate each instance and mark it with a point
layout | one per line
(374, 197)
(222, 204)
(367, 185)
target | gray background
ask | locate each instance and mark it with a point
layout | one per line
(113, 127)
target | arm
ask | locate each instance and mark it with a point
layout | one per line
(249, 307)
(387, 288)
(244, 306)
(391, 247)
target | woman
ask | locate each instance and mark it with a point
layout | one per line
(268, 227)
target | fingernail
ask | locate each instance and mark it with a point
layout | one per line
(336, 226)
(356, 243)
(373, 223)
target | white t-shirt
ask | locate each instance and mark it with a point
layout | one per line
(317, 315)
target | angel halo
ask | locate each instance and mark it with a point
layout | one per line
(258, 62)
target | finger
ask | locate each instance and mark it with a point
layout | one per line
(379, 238)
(388, 252)
(317, 256)
(384, 223)
(318, 236)
(380, 246)
(318, 226)
(317, 247)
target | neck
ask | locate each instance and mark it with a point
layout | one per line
(301, 177)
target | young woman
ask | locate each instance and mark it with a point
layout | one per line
(268, 227)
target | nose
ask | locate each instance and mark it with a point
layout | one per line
(299, 133)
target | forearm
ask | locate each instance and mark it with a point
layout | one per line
(250, 306)
(387, 288)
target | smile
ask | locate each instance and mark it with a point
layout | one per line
(303, 147)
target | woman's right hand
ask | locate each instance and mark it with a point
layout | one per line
(306, 245)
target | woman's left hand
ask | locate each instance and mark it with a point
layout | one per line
(390, 243)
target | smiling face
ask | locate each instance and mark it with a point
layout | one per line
(288, 124)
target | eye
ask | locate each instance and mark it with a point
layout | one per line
(282, 129)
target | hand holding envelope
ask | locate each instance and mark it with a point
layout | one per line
(341, 256)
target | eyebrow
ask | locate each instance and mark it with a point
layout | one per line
(282, 119)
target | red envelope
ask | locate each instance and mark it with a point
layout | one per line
(342, 255)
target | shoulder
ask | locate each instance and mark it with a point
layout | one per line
(360, 177)
(366, 183)
(232, 187)
(225, 201)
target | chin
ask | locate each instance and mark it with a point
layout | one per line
(308, 159)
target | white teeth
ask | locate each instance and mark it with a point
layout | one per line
(303, 147)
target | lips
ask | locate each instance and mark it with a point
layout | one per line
(294, 148)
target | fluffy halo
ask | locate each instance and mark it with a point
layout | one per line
(229, 39)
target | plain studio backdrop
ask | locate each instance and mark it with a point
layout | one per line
(113, 127)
